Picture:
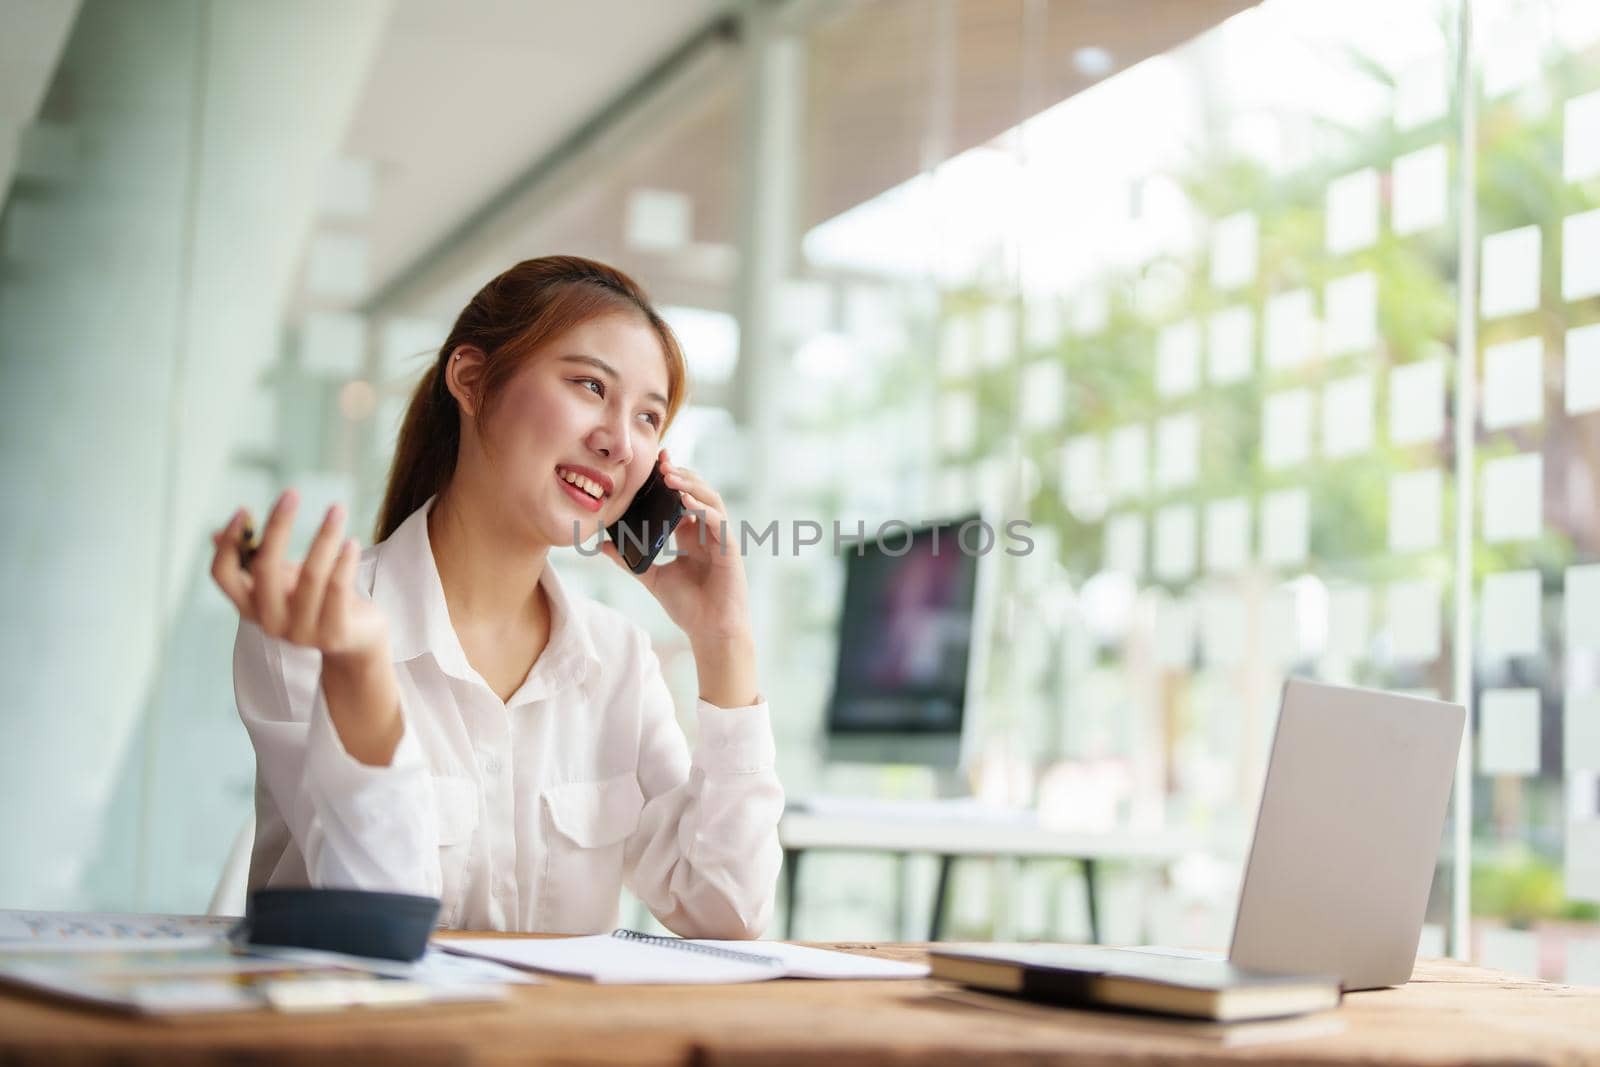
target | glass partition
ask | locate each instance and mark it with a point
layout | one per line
(1187, 289)
(1536, 802)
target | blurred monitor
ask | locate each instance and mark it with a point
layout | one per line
(905, 685)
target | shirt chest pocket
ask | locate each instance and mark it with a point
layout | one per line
(588, 824)
(456, 801)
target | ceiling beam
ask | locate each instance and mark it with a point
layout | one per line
(683, 71)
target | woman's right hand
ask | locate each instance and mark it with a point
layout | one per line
(312, 603)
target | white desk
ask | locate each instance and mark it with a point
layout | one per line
(1015, 835)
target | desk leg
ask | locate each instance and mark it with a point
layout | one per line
(1003, 889)
(902, 893)
(1061, 926)
(791, 890)
(936, 923)
(1094, 909)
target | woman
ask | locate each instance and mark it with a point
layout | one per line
(439, 715)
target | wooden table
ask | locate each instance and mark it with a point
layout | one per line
(1450, 1013)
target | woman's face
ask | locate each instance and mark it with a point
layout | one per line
(578, 427)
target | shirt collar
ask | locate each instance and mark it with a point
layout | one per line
(406, 587)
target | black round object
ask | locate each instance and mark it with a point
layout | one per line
(391, 926)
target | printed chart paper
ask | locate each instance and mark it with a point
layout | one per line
(997, 338)
(1583, 863)
(1580, 155)
(1513, 498)
(1510, 272)
(1513, 951)
(1509, 615)
(955, 490)
(1285, 527)
(1041, 323)
(1347, 416)
(1416, 402)
(1349, 620)
(1286, 429)
(1091, 311)
(1082, 484)
(1130, 460)
(1581, 595)
(1420, 92)
(1230, 343)
(1124, 548)
(1290, 329)
(1513, 383)
(1510, 58)
(1580, 255)
(1175, 632)
(1175, 542)
(1234, 242)
(1581, 722)
(1177, 450)
(1583, 957)
(1351, 308)
(959, 416)
(1224, 629)
(1416, 510)
(956, 348)
(1178, 359)
(1227, 537)
(1414, 621)
(1583, 369)
(1421, 190)
(1281, 627)
(85, 927)
(1352, 212)
(1044, 394)
(1509, 740)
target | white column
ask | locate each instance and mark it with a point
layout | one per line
(773, 77)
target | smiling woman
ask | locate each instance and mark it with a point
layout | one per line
(438, 715)
(513, 317)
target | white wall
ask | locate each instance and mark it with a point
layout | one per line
(35, 31)
(141, 299)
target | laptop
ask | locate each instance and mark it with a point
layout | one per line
(1347, 835)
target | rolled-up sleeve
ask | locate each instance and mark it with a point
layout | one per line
(705, 856)
(356, 826)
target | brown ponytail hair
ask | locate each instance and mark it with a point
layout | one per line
(508, 319)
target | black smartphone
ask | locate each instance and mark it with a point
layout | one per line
(652, 515)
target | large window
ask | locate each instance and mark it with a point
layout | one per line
(1201, 323)
(1287, 347)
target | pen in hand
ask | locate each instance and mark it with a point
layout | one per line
(249, 544)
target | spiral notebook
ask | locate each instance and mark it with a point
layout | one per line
(627, 957)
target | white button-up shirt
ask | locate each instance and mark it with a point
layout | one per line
(525, 815)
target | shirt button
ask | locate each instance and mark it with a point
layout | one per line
(491, 764)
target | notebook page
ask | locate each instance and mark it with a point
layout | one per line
(802, 961)
(607, 959)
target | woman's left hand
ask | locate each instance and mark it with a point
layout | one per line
(703, 588)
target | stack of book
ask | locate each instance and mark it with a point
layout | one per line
(1125, 979)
